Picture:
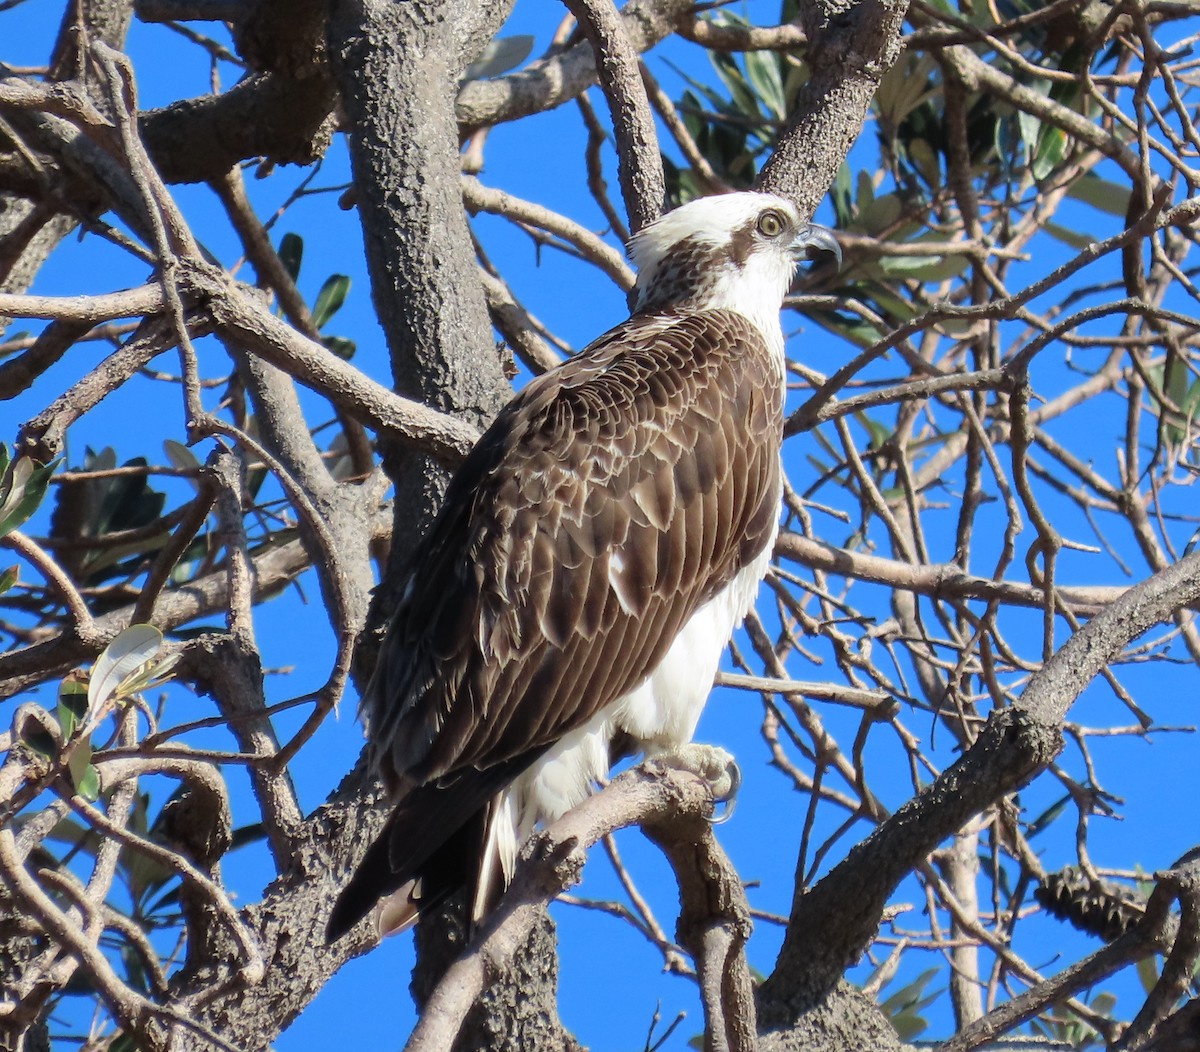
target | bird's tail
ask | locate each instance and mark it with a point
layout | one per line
(433, 844)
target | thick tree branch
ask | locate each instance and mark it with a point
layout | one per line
(714, 926)
(279, 118)
(551, 862)
(552, 81)
(639, 167)
(850, 48)
(833, 922)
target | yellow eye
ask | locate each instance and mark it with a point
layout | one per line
(771, 223)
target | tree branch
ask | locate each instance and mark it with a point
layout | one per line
(850, 48)
(551, 862)
(833, 922)
(639, 167)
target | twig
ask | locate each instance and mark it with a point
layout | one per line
(84, 626)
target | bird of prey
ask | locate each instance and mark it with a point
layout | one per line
(596, 549)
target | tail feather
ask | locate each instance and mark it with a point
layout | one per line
(432, 844)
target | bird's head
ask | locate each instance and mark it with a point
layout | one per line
(735, 251)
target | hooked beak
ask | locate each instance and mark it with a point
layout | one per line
(814, 239)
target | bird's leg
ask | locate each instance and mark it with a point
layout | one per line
(715, 765)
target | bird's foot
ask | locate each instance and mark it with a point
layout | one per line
(716, 766)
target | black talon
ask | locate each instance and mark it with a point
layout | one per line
(730, 798)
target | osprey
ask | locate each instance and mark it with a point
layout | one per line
(595, 551)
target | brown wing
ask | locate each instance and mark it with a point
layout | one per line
(606, 503)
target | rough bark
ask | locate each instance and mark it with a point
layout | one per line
(851, 45)
(285, 113)
(290, 925)
(18, 1031)
(844, 1019)
(398, 68)
(548, 83)
(31, 227)
(518, 1012)
(270, 115)
(84, 23)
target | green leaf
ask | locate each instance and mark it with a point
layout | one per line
(925, 160)
(691, 103)
(75, 835)
(1176, 387)
(137, 822)
(846, 327)
(340, 346)
(1051, 148)
(924, 268)
(1147, 972)
(745, 102)
(908, 1024)
(291, 253)
(904, 87)
(839, 196)
(898, 309)
(87, 784)
(879, 214)
(902, 1008)
(1031, 129)
(330, 298)
(864, 190)
(1188, 406)
(21, 491)
(124, 502)
(880, 433)
(762, 67)
(184, 459)
(1048, 816)
(168, 898)
(1107, 196)
(72, 704)
(1067, 236)
(83, 772)
(8, 578)
(145, 876)
(154, 673)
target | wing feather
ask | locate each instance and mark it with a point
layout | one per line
(611, 499)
